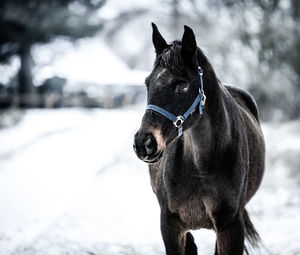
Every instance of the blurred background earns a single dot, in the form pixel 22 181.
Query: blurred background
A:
pixel 72 97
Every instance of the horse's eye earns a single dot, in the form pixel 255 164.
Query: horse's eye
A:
pixel 182 88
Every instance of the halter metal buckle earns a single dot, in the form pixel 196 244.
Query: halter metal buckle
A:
pixel 200 71
pixel 178 122
pixel 203 99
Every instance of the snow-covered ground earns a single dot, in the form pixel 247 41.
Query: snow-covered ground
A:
pixel 69 60
pixel 71 184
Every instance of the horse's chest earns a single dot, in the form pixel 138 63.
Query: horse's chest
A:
pixel 184 190
pixel 186 200
pixel 192 213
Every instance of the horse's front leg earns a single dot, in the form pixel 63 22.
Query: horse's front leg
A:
pixel 230 236
pixel 190 246
pixel 173 233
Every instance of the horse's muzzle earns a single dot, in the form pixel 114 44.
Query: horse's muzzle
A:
pixel 146 148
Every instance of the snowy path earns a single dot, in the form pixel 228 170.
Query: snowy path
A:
pixel 71 184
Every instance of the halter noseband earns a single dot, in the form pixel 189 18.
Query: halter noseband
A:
pixel 178 121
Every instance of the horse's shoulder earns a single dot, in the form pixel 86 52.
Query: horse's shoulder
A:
pixel 243 98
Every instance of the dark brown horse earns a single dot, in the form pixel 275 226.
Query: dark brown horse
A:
pixel 206 157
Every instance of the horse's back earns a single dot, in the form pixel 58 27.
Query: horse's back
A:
pixel 254 138
pixel 243 98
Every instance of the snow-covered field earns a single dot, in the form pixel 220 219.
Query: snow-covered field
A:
pixel 71 184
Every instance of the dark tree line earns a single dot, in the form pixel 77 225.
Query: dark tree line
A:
pixel 24 23
pixel 277 44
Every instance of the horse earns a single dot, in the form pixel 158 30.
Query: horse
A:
pixel 204 147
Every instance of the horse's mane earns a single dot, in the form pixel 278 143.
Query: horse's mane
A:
pixel 171 58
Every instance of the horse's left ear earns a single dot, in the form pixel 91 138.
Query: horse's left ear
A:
pixel 189 45
pixel 159 42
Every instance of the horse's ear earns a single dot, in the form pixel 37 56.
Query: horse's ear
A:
pixel 158 41
pixel 189 45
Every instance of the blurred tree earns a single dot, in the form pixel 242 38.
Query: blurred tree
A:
pixel 274 34
pixel 175 16
pixel 25 23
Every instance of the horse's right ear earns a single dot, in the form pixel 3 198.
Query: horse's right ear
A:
pixel 158 41
pixel 189 45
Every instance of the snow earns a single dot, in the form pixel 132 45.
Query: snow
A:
pixel 71 184
pixel 89 60
pixel 9 70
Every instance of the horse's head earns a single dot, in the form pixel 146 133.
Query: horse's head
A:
pixel 173 86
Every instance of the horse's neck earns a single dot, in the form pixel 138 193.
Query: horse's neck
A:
pixel 211 130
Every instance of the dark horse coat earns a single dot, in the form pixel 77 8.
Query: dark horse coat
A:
pixel 204 178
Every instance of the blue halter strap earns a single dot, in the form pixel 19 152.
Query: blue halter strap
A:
pixel 178 120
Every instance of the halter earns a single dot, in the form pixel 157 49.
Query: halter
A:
pixel 178 121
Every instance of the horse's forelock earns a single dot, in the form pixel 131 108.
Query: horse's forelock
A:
pixel 171 58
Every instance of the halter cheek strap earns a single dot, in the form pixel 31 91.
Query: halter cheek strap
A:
pixel 179 120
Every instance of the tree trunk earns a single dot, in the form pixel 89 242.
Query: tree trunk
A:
pixel 25 85
pixel 175 17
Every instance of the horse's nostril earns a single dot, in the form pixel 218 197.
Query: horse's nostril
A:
pixel 134 147
pixel 150 146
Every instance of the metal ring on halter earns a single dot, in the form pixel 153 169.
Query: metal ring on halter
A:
pixel 203 99
pixel 200 71
pixel 180 120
